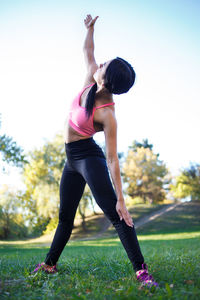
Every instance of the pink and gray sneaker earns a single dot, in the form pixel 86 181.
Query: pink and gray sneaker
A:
pixel 45 268
pixel 144 277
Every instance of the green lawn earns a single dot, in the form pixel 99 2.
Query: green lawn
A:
pixel 100 269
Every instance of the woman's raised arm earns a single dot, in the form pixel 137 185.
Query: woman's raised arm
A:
pixel 88 49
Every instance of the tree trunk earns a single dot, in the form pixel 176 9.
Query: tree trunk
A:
pixel 83 223
pixel 7 227
pixel 95 213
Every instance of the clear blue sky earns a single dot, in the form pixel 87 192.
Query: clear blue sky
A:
pixel 42 69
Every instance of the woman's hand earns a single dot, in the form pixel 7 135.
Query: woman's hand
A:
pixel 89 22
pixel 123 213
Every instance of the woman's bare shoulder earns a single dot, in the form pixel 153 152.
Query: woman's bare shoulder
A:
pixel 105 115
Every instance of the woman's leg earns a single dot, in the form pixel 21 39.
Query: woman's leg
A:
pixel 71 189
pixel 95 172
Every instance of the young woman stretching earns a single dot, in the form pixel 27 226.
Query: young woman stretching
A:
pixel 93 111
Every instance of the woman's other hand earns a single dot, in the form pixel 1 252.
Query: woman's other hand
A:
pixel 123 213
pixel 89 22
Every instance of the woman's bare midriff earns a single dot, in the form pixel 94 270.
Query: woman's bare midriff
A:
pixel 72 136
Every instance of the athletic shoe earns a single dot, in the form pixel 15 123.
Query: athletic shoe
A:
pixel 45 268
pixel 144 277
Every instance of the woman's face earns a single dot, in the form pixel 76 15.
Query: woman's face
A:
pixel 100 72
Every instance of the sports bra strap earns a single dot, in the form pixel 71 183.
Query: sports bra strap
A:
pixel 107 104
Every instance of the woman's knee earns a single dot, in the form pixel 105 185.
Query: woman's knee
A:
pixel 65 218
pixel 112 215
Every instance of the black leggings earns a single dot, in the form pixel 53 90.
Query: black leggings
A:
pixel 86 163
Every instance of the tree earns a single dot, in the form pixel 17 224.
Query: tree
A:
pixel 41 177
pixel 135 145
pixel 11 218
pixel 188 183
pixel 145 175
pixel 11 153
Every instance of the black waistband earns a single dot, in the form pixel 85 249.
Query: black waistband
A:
pixel 80 142
pixel 83 148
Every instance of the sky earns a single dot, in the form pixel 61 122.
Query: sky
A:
pixel 42 69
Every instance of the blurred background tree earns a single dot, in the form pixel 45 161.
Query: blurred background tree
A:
pixel 146 176
pixel 10 152
pixel 188 183
pixel 41 178
pixel 145 144
pixel 12 219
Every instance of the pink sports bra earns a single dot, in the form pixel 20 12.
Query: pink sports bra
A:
pixel 77 116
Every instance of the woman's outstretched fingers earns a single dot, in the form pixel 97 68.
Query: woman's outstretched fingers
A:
pixel 95 18
pixel 89 22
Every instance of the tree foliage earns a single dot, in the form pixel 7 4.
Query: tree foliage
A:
pixel 11 153
pixel 41 178
pixel 145 144
pixel 145 174
pixel 11 216
pixel 188 183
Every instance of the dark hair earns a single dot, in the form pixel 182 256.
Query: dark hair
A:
pixel 119 78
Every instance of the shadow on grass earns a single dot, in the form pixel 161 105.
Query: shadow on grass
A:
pixel 84 246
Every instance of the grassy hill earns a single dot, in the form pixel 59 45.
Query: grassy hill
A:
pixel 183 218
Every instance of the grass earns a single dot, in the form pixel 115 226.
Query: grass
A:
pixel 100 269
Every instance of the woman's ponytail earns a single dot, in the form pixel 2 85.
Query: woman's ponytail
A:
pixel 90 100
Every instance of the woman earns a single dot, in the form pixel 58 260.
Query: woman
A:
pixel 93 111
